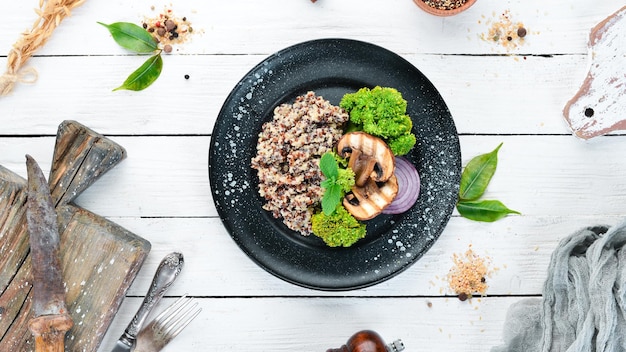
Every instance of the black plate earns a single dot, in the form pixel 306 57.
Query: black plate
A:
pixel 331 68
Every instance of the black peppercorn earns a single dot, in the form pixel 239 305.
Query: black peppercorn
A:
pixel 521 32
pixel 169 25
pixel 463 296
pixel 186 76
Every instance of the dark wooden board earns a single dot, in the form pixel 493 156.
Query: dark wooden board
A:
pixel 100 259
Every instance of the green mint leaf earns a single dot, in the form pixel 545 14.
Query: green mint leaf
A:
pixel 483 210
pixel 477 174
pixel 132 37
pixel 327 183
pixel 328 166
pixel 332 197
pixel 145 75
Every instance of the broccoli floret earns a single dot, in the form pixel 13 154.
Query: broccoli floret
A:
pixel 341 162
pixel 338 229
pixel 381 112
pixel 345 180
pixel 402 144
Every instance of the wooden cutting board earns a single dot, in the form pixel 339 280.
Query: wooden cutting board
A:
pixel 100 259
pixel 598 106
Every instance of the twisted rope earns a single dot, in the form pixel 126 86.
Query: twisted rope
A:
pixel 50 14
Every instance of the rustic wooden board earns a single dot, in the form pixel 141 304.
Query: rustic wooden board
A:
pixel 100 259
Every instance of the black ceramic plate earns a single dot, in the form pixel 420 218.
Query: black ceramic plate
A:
pixel 331 68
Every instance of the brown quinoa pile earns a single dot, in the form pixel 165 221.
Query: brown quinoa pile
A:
pixel 445 4
pixel 468 276
pixel 289 148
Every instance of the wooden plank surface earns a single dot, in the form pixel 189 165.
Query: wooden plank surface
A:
pixel 482 99
pixel 536 175
pixel 250 27
pixel 315 324
pixel 495 93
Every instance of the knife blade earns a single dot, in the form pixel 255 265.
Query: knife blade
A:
pixel 51 320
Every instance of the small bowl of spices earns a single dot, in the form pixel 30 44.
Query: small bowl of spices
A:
pixel 444 7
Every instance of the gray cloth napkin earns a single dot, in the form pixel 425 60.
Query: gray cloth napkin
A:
pixel 583 306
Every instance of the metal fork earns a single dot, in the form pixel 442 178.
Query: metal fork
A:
pixel 167 325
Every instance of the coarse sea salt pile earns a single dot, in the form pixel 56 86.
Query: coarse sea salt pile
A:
pixel 468 276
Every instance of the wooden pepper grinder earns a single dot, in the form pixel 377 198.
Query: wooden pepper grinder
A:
pixel 368 341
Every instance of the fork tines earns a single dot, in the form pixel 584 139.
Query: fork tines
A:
pixel 182 312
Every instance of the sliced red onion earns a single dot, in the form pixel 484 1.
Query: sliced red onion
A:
pixel 408 187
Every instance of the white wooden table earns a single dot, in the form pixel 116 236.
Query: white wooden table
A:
pixel 161 191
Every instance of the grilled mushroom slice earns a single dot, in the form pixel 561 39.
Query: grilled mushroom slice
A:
pixel 373 163
pixel 370 157
pixel 366 202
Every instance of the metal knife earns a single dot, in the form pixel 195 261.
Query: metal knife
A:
pixel 51 319
pixel 166 273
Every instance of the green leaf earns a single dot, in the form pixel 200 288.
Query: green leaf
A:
pixel 477 174
pixel 332 197
pixel 484 210
pixel 328 166
pixel 145 75
pixel 326 183
pixel 132 37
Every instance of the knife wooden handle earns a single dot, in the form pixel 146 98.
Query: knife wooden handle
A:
pixel 49 332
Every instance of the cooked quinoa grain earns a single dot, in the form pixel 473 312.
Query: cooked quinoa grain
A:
pixel 445 4
pixel 287 161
